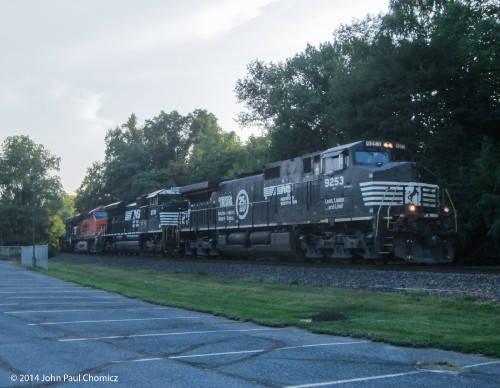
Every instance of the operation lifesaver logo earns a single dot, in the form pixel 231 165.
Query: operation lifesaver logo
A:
pixel 242 204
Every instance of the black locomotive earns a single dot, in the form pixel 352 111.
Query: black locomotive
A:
pixel 364 200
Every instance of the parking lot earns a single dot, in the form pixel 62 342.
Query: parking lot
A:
pixel 55 333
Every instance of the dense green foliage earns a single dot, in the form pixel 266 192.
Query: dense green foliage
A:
pixel 29 187
pixel 168 151
pixel 426 74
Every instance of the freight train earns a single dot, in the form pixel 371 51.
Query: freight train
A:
pixel 361 201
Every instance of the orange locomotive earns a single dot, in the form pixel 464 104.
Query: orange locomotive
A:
pixel 83 231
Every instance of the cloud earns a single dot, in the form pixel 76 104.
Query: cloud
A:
pixel 82 104
pixel 216 20
pixel 10 98
pixel 150 32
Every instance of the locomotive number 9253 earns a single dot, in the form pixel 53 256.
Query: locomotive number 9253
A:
pixel 334 181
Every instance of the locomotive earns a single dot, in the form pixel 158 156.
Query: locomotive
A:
pixel 365 200
pixel 120 227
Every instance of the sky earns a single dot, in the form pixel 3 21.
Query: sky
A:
pixel 72 69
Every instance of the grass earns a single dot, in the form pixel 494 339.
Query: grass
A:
pixel 411 319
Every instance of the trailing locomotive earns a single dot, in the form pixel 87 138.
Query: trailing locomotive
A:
pixel 361 200
pixel 83 231
pixel 364 200
pixel 145 225
pixel 142 226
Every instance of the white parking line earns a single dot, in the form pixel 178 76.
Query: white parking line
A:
pixel 82 310
pixel 41 291
pixel 59 303
pixel 111 320
pixel 240 352
pixel 482 364
pixel 359 379
pixel 326 344
pixel 164 334
pixel 56 297
pixel 368 378
pixel 191 356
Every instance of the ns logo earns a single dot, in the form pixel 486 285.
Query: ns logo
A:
pixel 242 204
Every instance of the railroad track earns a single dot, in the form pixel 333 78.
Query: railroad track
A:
pixel 398 267
pixel 473 283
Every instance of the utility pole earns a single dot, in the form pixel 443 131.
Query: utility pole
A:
pixel 32 177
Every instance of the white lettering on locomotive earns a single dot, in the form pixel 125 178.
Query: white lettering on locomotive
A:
pixel 225 201
pixel 288 200
pixel 334 203
pixel 278 190
pixel 133 215
pixel 334 181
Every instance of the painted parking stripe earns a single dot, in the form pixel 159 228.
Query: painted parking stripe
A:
pixel 56 297
pixel 82 310
pixel 59 303
pixel 362 379
pixel 40 291
pixel 481 364
pixel 359 379
pixel 190 356
pixel 111 320
pixel 163 334
pixel 325 344
pixel 240 352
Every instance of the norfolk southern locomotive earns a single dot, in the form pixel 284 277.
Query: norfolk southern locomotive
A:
pixel 364 200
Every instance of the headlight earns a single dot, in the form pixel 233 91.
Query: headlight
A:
pixel 446 209
pixel 412 208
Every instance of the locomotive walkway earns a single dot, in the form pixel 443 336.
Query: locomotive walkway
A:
pixel 55 333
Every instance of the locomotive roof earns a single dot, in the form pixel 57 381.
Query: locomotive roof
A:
pixel 327 151
pixel 342 147
pixel 114 205
pixel 172 190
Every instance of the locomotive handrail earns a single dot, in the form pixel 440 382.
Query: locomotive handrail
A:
pixel 392 201
pixel 378 212
pixel 388 208
pixel 453 207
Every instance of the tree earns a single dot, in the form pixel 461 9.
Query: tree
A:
pixel 57 220
pixel 28 183
pixel 92 192
pixel 291 100
pixel 425 74
pixel 126 157
pixel 252 156
pixel 479 186
pixel 213 151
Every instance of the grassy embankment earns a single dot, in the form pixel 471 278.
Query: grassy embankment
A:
pixel 411 319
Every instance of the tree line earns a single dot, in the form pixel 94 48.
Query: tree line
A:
pixel 425 74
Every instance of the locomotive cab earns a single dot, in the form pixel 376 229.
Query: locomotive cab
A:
pixel 90 228
pixel 379 205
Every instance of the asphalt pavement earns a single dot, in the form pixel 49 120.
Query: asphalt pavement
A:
pixel 55 333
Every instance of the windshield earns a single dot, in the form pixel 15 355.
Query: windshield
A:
pixel 366 157
pixel 99 215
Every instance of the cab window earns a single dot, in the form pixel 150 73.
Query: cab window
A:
pixel 367 157
pixel 99 215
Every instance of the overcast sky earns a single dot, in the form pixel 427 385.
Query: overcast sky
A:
pixel 71 69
